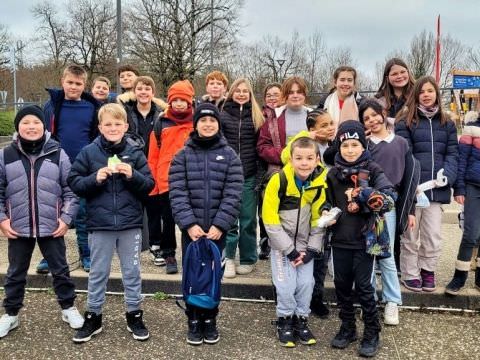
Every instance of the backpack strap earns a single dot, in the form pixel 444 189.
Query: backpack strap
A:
pixel 157 130
pixel 282 190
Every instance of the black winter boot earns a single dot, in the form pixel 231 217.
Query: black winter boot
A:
pixel 195 327
pixel 264 249
pixel 91 326
pixel 319 308
pixel 285 331
pixel 346 335
pixel 210 331
pixel 457 282
pixel 477 276
pixel 136 326
pixel 370 343
pixel 302 331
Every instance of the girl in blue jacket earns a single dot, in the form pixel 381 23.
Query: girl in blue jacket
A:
pixel 433 140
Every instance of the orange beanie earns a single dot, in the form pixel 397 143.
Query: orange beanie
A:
pixel 181 90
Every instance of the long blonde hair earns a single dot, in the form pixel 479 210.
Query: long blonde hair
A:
pixel 257 115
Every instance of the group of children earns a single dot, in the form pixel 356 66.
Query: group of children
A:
pixel 346 192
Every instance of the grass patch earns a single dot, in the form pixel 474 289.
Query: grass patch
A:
pixel 160 296
pixel 6 123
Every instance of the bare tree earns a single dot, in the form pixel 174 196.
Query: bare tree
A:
pixel 92 34
pixel 316 48
pixel 4 45
pixel 172 37
pixel 51 34
pixel 452 57
pixel 339 56
pixel 422 54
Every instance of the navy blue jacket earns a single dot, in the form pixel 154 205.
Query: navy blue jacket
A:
pixel 206 185
pixel 115 204
pixel 469 158
pixel 436 147
pixel 239 130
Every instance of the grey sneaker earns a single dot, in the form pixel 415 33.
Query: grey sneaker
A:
pixel 172 267
pixel 7 323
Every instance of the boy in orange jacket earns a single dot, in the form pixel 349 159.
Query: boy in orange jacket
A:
pixel 169 134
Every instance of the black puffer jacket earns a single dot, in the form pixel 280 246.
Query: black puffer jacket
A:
pixel 436 147
pixel 115 204
pixel 205 185
pixel 239 130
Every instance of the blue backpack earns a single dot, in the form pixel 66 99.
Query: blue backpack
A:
pixel 202 274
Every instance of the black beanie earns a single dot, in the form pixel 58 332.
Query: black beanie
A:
pixel 206 109
pixel 351 129
pixel 29 110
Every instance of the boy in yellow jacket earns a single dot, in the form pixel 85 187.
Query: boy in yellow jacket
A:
pixel 291 208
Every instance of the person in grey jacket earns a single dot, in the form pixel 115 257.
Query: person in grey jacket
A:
pixel 36 206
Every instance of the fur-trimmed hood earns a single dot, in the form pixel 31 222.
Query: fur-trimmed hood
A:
pixel 129 97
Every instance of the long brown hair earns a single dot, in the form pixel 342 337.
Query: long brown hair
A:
pixel 410 113
pixel 386 89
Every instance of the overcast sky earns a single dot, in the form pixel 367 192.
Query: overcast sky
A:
pixel 371 28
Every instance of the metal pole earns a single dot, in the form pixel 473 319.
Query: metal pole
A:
pixel 119 40
pixel 211 35
pixel 14 80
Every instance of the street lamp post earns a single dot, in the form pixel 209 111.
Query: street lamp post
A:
pixel 280 63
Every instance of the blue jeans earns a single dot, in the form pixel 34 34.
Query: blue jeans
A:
pixel 81 229
pixel 390 284
pixel 294 285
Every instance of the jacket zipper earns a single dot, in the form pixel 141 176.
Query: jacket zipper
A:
pixel 32 186
pixel 207 180
pixel 240 131
pixel 433 155
pixel 298 218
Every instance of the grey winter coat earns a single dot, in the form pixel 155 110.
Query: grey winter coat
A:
pixel 33 189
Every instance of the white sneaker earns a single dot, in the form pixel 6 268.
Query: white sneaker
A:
pixel 391 314
pixel 7 323
pixel 72 317
pixel 229 269
pixel 245 269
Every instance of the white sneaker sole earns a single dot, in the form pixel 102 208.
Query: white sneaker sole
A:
pixel 64 318
pixel 196 343
pixel 211 341
pixel 88 338
pixel 14 325
pixel 158 263
pixel 136 337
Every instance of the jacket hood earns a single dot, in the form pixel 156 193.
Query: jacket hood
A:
pixel 49 145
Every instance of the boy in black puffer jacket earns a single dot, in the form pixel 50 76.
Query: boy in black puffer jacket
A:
pixel 357 186
pixel 112 174
pixel 205 182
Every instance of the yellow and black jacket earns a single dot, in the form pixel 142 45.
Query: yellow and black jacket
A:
pixel 290 214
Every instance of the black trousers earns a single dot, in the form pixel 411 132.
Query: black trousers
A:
pixel 355 267
pixel 320 267
pixel 19 255
pixel 161 226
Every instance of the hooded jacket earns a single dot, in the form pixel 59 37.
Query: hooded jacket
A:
pixel 34 192
pixel 291 220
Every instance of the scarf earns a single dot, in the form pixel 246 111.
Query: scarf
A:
pixel 32 147
pixel 349 110
pixel 205 142
pixel 112 148
pixel 429 112
pixel 180 117
pixel 341 164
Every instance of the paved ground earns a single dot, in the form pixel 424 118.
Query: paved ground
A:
pixel 245 330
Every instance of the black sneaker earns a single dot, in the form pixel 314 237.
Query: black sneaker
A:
pixel 171 265
pixel 319 309
pixel 156 256
pixel 195 332
pixel 477 277
pixel 302 331
pixel 346 335
pixel 369 345
pixel 91 326
pixel 210 331
pixel 285 331
pixel 457 282
pixel 264 249
pixel 136 326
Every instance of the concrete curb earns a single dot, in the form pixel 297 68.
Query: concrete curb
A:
pixel 255 288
